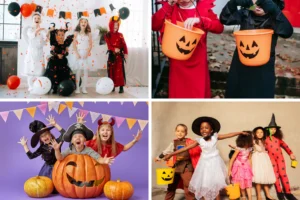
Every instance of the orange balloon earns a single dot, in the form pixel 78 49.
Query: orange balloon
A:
pixel 13 82
pixel 33 7
pixel 26 10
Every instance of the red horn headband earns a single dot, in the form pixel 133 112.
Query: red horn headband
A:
pixel 100 122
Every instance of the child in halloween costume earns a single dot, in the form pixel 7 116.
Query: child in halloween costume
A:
pixel 117 50
pixel 240 164
pixel 82 47
pixel 43 135
pixel 273 145
pixel 58 68
pixel 210 163
pixel 185 162
pixel 255 82
pixel 36 38
pixel 77 134
pixel 193 71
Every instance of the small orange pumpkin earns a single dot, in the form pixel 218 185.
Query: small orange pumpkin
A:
pixel 117 190
pixel 38 186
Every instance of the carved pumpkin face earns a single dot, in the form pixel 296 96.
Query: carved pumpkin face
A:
pixel 80 176
pixel 186 47
pixel 165 176
pixel 249 51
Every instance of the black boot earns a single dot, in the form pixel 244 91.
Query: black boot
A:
pixel 280 196
pixel 290 196
pixel 121 89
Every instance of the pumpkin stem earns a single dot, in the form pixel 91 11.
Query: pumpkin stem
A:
pixel 118 180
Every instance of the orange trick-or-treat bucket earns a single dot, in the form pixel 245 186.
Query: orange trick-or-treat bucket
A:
pixel 180 43
pixel 254 46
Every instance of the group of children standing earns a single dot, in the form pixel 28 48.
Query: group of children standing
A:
pixel 57 68
pixel 243 81
pixel 257 159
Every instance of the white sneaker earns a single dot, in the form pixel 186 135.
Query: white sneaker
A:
pixel 84 90
pixel 77 91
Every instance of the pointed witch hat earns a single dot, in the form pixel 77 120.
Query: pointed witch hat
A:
pixel 272 124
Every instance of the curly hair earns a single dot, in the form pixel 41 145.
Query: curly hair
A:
pixel 278 134
pixel 245 141
pixel 87 29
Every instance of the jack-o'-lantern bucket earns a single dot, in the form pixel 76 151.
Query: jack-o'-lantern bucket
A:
pixel 294 163
pixel 233 191
pixel 165 176
pixel 180 43
pixel 254 46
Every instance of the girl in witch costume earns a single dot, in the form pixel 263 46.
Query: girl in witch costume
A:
pixel 117 54
pixel 82 47
pixel 36 38
pixel 193 71
pixel 58 68
pixel 185 162
pixel 273 145
pixel 255 82
pixel 43 136
pixel 210 163
pixel 77 134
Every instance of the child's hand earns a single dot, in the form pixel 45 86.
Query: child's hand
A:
pixel 23 141
pixel 117 50
pixel 80 118
pixel 55 145
pixel 293 157
pixel 51 120
pixel 244 133
pixel 138 136
pixel 106 160
pixel 167 157
pixel 126 56
pixel 229 173
pixel 156 160
pixel 190 22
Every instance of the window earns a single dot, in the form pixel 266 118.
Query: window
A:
pixel 10 26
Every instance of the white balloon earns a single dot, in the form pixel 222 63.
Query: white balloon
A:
pixel 104 85
pixel 41 86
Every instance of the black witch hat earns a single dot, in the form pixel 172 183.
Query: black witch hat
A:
pixel 38 128
pixel 272 123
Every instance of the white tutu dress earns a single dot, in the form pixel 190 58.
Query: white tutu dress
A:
pixel 82 48
pixel 210 173
pixel 263 172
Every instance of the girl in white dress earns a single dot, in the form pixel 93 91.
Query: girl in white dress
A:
pixel 261 164
pixel 210 173
pixel 36 37
pixel 82 47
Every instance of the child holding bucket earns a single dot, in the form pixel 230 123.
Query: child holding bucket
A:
pixel 254 82
pixel 210 173
pixel 189 78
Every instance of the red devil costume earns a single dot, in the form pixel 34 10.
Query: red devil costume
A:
pixel 106 149
pixel 115 63
pixel 189 78
pixel 273 144
pixel 185 164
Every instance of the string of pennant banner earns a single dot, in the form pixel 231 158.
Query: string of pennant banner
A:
pixel 61 107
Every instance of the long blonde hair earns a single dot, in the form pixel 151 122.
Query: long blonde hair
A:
pixel 111 139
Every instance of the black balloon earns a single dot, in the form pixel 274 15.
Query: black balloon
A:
pixel 124 13
pixel 66 88
pixel 14 8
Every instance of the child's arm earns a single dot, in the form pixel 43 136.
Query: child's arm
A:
pixel 287 149
pixel 52 122
pixel 98 158
pixel 167 151
pixel 75 45
pixel 231 161
pixel 56 146
pixel 109 45
pixel 23 142
pixel 181 150
pixel 229 135
pixel 159 17
pixel 90 44
pixel 124 46
pixel 230 15
pixel 250 159
pixel 137 137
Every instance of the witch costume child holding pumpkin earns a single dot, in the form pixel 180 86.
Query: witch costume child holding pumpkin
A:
pixel 189 78
pixel 254 82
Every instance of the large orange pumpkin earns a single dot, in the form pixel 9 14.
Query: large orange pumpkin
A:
pixel 80 176
pixel 38 186
pixel 117 190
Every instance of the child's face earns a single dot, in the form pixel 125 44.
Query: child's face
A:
pixel 60 36
pixel 37 19
pixel 259 11
pixel 105 133
pixel 205 129
pixel 45 137
pixel 116 26
pixel 273 131
pixel 83 24
pixel 259 133
pixel 78 140
pixel 180 132
pixel 185 3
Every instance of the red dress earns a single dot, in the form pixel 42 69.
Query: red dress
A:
pixel 106 149
pixel 115 68
pixel 190 78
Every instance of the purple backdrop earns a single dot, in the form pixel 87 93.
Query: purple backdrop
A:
pixel 16 168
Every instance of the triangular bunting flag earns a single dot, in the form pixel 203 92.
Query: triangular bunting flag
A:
pixel 50 105
pixel 106 118
pixel 119 121
pixel 134 103
pixel 72 111
pixel 85 112
pixel 121 102
pixel 31 111
pixel 81 103
pixel 69 104
pixel 130 122
pixel 94 116
pixel 18 113
pixel 108 102
pixel 56 106
pixel 61 108
pixel 43 108
pixel 4 115
pixel 142 124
